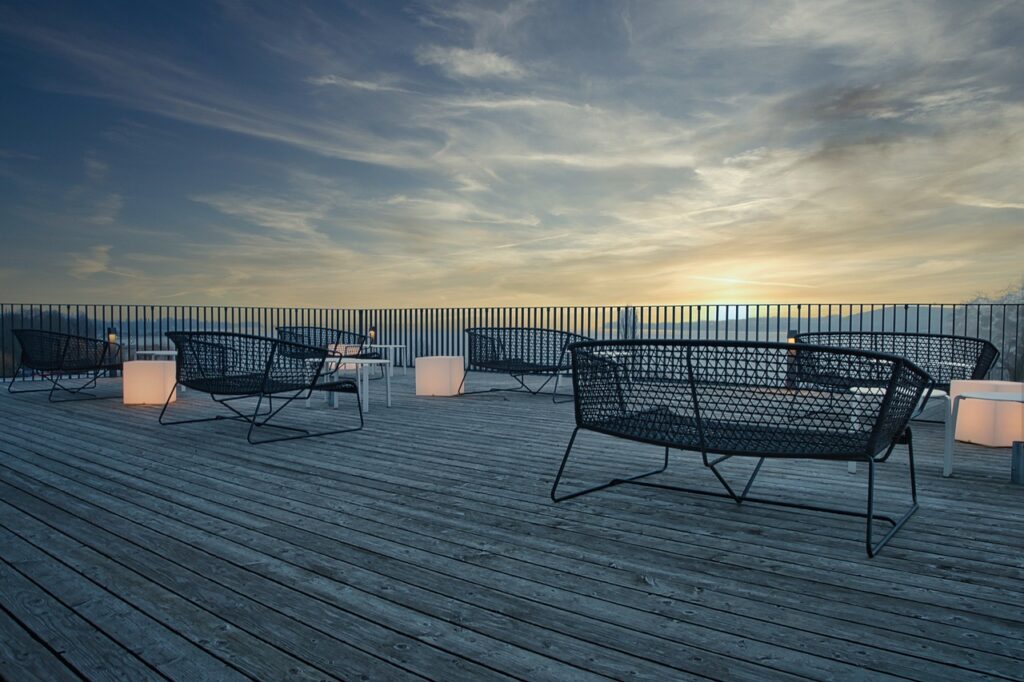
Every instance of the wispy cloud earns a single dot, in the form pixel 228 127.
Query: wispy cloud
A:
pixel 760 283
pixel 94 261
pixel 339 81
pixel 106 210
pixel 458 62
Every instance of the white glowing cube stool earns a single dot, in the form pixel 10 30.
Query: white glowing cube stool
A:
pixel 148 382
pixel 439 375
pixel 995 424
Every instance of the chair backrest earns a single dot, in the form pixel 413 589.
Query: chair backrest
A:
pixel 492 348
pixel 945 357
pixel 49 351
pixel 325 337
pixel 321 337
pixel 242 364
pixel 742 398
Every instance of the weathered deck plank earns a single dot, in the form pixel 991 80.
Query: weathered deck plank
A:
pixel 425 545
pixel 24 657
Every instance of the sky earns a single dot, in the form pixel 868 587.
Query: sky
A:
pixel 590 152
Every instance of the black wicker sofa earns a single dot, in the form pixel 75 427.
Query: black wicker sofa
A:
pixel 272 373
pixel 58 358
pixel 945 357
pixel 520 352
pixel 754 400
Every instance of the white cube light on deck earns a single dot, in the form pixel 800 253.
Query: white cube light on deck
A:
pixel 148 382
pixel 439 375
pixel 995 424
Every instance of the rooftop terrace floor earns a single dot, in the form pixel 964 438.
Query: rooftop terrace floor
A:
pixel 426 546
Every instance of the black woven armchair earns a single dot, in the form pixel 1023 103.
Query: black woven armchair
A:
pixel 747 399
pixel 943 356
pixel 58 357
pixel 340 343
pixel 519 352
pixel 231 367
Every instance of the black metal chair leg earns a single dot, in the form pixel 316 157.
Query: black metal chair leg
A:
pixel 555 394
pixel 739 499
pixel 615 481
pixel 14 377
pixel 76 391
pixel 254 425
pixel 874 547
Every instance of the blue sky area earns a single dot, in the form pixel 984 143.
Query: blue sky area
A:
pixel 510 153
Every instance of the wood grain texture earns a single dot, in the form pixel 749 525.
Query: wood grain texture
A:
pixel 425 546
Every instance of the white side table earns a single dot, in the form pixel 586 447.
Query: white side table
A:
pixel 362 367
pixel 391 352
pixel 996 397
pixel 156 354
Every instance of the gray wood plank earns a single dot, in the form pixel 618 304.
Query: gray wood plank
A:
pixel 160 648
pixel 83 648
pixel 270 650
pixel 23 657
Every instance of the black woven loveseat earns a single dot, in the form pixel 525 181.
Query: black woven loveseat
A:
pixel 231 367
pixel 945 357
pixel 747 399
pixel 58 357
pixel 520 352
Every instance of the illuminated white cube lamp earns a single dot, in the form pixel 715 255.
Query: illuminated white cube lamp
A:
pixel 148 382
pixel 439 375
pixel 984 422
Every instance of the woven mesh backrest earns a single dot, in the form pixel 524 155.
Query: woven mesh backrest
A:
pixel 336 341
pixel 741 397
pixel 943 356
pixel 320 337
pixel 52 351
pixel 497 347
pixel 241 364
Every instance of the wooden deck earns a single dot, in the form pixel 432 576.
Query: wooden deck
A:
pixel 426 546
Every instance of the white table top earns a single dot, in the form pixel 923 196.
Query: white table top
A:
pixel 346 360
pixel 385 345
pixel 1000 396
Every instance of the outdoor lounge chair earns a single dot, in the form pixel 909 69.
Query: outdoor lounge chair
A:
pixel 231 367
pixel 943 356
pixel 338 342
pixel 518 352
pixel 726 399
pixel 57 357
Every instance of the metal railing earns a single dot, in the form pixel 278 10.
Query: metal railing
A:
pixel 439 331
